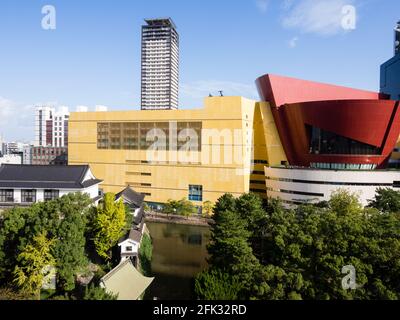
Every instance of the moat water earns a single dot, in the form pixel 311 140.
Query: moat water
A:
pixel 179 254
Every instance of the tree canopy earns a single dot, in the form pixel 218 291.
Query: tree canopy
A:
pixel 29 273
pixel 181 207
pixel 300 253
pixel 109 225
pixel 63 220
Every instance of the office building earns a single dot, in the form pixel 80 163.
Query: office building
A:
pixel 390 70
pixel 27 154
pixel 116 145
pixel 51 127
pixel 160 65
pixel 43 126
pixel 49 155
pixel 51 136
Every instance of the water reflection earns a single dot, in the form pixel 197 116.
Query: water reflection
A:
pixel 179 254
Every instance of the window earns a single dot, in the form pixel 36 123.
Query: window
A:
pixel 195 193
pixel 129 249
pixel 7 195
pixel 28 196
pixel 136 135
pixel 325 142
pixel 51 195
pixel 260 162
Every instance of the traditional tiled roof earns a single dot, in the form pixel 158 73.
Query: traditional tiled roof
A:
pixel 46 177
pixel 131 197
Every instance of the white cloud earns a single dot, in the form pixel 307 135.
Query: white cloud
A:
pixel 287 4
pixel 323 17
pixel 6 107
pixel 262 5
pixel 16 120
pixel 196 91
pixel 293 42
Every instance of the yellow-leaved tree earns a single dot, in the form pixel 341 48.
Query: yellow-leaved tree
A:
pixel 29 273
pixel 109 225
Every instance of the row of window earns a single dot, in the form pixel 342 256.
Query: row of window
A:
pixel 142 135
pixel 258 173
pixel 334 183
pixel 297 192
pixel 260 162
pixel 257 190
pixel 343 166
pixel 27 196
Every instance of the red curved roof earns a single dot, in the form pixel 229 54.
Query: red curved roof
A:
pixel 363 116
pixel 280 90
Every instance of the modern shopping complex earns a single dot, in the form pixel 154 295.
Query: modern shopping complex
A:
pixel 302 141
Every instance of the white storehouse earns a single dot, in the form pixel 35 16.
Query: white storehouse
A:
pixel 296 186
pixel 25 185
pixel 130 243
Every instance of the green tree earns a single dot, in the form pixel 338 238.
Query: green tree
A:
pixel 109 225
pixel 225 203
pixel 70 251
pixel 93 292
pixel 145 255
pixel 386 200
pixel 217 285
pixel 250 208
pixel 32 261
pixel 304 250
pixel 11 233
pixel 8 293
pixel 207 208
pixel 181 207
pixel 229 248
pixel 344 202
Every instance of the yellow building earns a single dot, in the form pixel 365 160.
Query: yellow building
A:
pixel 198 154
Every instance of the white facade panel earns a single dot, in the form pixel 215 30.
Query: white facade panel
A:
pixel 309 185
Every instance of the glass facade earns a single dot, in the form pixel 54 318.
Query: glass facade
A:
pixel 142 135
pixel 343 166
pixel 195 193
pixel 325 142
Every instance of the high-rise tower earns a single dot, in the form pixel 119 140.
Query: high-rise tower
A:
pixel 160 65
pixel 397 39
pixel 390 70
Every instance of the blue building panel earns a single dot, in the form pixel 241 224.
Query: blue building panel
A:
pixel 390 77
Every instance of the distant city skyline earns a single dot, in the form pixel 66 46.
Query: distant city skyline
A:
pixel 93 56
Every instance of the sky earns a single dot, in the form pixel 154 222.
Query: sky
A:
pixel 92 57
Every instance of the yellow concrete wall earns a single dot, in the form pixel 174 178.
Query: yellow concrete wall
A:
pixel 118 168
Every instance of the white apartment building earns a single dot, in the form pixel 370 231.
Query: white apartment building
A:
pixel 43 126
pixel 51 127
pixel 27 155
pixel 60 128
pixel 160 65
